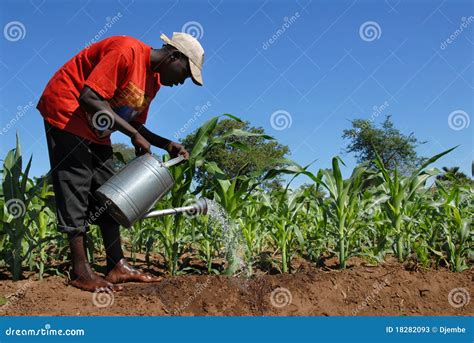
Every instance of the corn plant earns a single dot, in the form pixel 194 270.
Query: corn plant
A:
pixel 458 211
pixel 371 213
pixel 283 228
pixel 41 234
pixel 282 220
pixel 252 222
pixel 401 191
pixel 343 206
pixel 207 240
pixel 18 193
pixel 173 233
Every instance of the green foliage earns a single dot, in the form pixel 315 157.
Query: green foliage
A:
pixel 345 206
pixel 453 176
pixel 24 214
pixel 396 150
pixel 375 212
pixel 404 199
pixel 244 151
pixel 122 154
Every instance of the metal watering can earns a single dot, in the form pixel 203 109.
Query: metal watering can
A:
pixel 134 190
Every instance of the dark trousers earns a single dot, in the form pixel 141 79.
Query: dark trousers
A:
pixel 78 168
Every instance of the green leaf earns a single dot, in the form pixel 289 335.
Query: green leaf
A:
pixel 233 117
pixel 434 159
pixel 202 136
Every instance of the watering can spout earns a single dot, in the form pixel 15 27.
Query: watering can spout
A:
pixel 201 206
pixel 173 161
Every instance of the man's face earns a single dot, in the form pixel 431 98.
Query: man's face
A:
pixel 176 69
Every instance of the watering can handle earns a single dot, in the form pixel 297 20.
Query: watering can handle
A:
pixel 174 161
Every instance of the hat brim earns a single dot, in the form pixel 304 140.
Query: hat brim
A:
pixel 196 74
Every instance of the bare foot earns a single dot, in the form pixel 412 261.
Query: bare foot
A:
pixel 90 281
pixel 123 272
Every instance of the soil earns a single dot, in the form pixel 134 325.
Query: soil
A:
pixel 361 289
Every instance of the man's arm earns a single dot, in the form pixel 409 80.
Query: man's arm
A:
pixel 173 148
pixel 154 139
pixel 92 103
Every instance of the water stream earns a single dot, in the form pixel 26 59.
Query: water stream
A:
pixel 231 237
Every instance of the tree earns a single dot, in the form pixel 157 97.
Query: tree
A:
pixel 233 161
pixel 396 150
pixel 453 175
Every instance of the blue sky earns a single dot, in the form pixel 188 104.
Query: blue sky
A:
pixel 320 70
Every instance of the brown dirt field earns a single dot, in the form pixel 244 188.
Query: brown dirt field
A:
pixel 388 289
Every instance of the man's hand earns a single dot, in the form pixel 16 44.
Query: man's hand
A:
pixel 142 146
pixel 175 149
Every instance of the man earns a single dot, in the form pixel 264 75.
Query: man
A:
pixel 106 87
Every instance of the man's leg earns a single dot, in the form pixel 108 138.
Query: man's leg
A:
pixel 113 246
pixel 71 171
pixel 118 270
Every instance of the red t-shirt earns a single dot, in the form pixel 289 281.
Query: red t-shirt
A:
pixel 118 69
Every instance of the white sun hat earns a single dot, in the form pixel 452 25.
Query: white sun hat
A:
pixel 192 49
